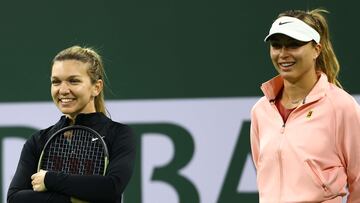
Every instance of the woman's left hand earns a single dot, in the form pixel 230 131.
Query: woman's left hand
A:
pixel 38 181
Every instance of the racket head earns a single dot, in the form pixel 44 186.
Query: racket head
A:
pixel 77 150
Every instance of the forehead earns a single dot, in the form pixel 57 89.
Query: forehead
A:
pixel 69 67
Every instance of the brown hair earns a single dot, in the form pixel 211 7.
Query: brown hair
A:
pixel 95 69
pixel 327 61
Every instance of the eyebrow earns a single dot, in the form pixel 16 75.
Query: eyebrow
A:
pixel 69 77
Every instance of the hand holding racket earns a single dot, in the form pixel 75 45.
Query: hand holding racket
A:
pixel 37 181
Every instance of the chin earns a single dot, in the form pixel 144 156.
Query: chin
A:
pixel 289 78
pixel 67 111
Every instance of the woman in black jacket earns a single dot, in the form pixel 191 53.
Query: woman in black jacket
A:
pixel 77 79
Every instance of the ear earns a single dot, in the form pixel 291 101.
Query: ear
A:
pixel 318 49
pixel 97 88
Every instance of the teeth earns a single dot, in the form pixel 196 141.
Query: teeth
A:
pixel 65 100
pixel 286 64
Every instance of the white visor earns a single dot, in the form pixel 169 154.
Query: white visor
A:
pixel 293 28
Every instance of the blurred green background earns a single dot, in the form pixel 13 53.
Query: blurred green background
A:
pixel 158 48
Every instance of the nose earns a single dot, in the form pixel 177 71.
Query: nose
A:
pixel 64 88
pixel 283 52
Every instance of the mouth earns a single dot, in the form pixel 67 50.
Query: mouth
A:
pixel 286 65
pixel 65 101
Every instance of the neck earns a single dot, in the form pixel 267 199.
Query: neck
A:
pixel 295 92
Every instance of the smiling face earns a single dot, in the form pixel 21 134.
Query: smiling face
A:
pixel 293 59
pixel 71 88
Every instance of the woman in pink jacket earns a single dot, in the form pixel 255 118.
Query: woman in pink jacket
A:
pixel 305 131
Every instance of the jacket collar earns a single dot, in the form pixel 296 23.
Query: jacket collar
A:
pixel 89 120
pixel 272 87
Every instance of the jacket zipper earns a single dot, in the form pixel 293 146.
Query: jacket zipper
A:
pixel 279 156
pixel 281 172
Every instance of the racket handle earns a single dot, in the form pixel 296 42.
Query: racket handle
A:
pixel 75 200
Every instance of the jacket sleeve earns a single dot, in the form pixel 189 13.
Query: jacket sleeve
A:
pixel 108 188
pixel 349 139
pixel 254 139
pixel 20 189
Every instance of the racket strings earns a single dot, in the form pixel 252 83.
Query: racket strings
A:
pixel 75 152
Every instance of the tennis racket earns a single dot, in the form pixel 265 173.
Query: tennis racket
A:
pixel 76 150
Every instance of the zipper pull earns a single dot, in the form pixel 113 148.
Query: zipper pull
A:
pixel 282 128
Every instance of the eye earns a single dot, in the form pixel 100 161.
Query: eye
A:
pixel 275 45
pixel 74 81
pixel 55 82
pixel 296 44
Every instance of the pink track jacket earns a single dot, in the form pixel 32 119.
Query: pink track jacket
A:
pixel 315 154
